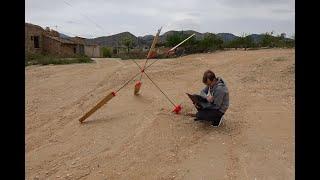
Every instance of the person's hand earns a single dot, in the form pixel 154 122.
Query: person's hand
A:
pixel 210 99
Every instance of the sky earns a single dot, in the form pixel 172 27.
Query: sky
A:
pixel 95 18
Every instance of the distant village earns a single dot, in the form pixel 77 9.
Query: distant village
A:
pixel 48 41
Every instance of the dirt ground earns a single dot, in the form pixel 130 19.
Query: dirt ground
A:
pixel 137 137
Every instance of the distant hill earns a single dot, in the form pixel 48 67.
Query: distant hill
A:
pixel 64 36
pixel 113 40
pixel 256 37
pixel 146 41
pixel 164 36
pixel 226 37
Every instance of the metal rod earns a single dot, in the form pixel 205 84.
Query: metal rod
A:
pixel 137 64
pixel 128 81
pixel 159 89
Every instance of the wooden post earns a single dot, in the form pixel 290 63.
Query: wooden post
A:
pixel 96 107
pixel 154 42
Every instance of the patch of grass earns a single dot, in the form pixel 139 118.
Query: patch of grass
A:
pixel 279 59
pixel 33 59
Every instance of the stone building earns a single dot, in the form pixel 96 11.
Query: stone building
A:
pixel 59 47
pixel 92 51
pixel 46 41
pixel 33 38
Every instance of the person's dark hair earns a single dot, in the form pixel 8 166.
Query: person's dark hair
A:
pixel 208 75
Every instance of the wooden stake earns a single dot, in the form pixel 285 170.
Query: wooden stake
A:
pixel 96 107
pixel 154 42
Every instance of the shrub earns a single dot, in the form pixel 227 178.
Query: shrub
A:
pixel 106 52
pixel 33 59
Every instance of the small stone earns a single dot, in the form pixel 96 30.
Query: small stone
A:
pixel 47 172
pixel 73 163
pixel 57 176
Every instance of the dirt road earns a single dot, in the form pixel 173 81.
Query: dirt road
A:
pixel 137 137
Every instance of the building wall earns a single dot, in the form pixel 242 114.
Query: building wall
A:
pixel 51 32
pixel 80 49
pixel 68 50
pixel 30 31
pixel 54 47
pixel 92 51
pixel 51 46
pixel 78 40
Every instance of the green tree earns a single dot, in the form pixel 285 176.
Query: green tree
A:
pixel 247 41
pixel 211 42
pixel 267 39
pixel 106 52
pixel 128 42
pixel 174 39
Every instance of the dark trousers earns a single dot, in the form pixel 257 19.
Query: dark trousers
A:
pixel 211 115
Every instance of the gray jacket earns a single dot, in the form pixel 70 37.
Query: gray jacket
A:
pixel 220 95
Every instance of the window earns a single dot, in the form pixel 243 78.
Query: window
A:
pixel 74 50
pixel 31 38
pixel 36 41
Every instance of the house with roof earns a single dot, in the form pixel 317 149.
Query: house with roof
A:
pixel 48 41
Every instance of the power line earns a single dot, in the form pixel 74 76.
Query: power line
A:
pixel 97 25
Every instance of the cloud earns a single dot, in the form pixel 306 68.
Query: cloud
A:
pixel 142 17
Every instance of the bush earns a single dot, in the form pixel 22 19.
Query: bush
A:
pixel 210 42
pixel 106 52
pixel 33 59
pixel 131 55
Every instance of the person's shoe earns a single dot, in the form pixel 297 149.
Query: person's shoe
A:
pixel 220 122
pixel 214 125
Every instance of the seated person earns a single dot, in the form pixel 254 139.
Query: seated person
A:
pixel 217 95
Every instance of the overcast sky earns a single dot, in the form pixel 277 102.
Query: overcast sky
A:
pixel 94 18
